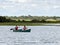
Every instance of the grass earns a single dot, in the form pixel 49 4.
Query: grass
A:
pixel 21 24
pixel 27 24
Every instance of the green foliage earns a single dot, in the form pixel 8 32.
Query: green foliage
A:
pixel 3 19
pixel 43 20
pixel 29 18
pixel 18 20
pixel 35 20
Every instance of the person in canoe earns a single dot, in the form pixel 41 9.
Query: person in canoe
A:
pixel 16 28
pixel 24 28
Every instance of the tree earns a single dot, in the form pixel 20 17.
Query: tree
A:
pixel 43 20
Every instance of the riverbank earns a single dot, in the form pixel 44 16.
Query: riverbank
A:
pixel 29 24
pixel 20 24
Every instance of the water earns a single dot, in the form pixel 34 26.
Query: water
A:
pixel 39 35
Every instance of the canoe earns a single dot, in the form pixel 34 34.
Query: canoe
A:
pixel 20 30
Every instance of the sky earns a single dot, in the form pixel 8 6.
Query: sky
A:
pixel 30 7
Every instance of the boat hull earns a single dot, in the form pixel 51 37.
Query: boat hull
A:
pixel 20 30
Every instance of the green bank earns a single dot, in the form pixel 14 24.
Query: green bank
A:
pixel 21 24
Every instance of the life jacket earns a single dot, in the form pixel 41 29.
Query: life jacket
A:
pixel 16 28
pixel 24 28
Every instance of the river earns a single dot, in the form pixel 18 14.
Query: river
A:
pixel 39 35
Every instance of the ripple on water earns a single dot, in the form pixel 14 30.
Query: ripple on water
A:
pixel 39 35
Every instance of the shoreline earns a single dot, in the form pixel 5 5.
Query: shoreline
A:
pixel 29 24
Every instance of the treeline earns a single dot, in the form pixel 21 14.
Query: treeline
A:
pixel 38 21
pixel 33 19
pixel 4 19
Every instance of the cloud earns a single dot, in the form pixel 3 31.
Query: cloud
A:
pixel 4 6
pixel 34 5
pixel 20 0
pixel 29 6
pixel 56 6
pixel 43 5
